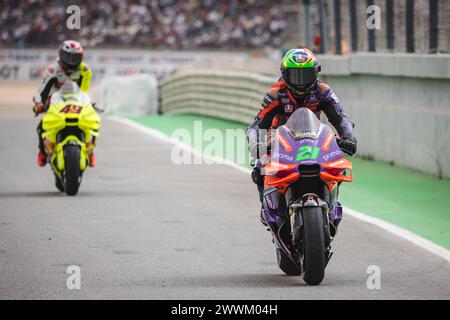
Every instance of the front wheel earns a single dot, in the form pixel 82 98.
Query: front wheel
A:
pixel 313 245
pixel 72 173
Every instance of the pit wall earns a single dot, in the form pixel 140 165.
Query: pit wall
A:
pixel 400 103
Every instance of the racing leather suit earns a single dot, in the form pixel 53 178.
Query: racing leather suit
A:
pixel 277 106
pixel 53 79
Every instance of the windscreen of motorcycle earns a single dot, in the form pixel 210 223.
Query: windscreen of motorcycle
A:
pixel 304 123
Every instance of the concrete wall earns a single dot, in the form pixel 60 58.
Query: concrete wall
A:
pixel 400 103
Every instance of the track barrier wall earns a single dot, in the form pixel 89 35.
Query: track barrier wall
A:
pixel 400 103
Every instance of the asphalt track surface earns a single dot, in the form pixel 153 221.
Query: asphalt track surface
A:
pixel 143 228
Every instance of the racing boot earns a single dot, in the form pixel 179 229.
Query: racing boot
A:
pixel 92 160
pixel 41 158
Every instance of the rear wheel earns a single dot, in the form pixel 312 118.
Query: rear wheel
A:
pixel 72 172
pixel 286 264
pixel 313 245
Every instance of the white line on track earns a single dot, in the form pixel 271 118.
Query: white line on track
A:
pixel 400 232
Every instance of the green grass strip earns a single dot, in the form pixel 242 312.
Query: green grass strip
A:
pixel 407 198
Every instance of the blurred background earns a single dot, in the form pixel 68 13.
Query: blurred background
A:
pixel 327 26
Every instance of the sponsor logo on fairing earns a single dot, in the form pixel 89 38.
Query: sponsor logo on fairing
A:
pixel 327 143
pixel 301 135
pixel 283 156
pixel 283 141
pixel 332 155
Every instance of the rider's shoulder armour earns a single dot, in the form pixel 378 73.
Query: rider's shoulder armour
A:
pixel 52 71
pixel 274 90
pixel 85 67
pixel 323 88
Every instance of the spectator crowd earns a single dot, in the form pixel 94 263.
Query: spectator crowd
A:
pixel 158 24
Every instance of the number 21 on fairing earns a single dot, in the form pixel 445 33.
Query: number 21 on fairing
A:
pixel 307 153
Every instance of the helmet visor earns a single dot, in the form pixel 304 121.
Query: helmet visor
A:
pixel 71 59
pixel 301 77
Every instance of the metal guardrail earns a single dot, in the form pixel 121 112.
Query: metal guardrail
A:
pixel 227 95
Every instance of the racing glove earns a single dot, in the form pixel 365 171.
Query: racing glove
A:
pixel 348 145
pixel 38 108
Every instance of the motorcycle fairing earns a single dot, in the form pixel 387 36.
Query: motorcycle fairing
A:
pixel 70 119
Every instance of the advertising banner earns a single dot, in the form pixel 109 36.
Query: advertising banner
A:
pixel 26 65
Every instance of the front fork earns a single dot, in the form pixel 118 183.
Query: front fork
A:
pixel 276 223
pixel 296 219
pixel 58 157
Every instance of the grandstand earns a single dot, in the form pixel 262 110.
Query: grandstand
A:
pixel 166 24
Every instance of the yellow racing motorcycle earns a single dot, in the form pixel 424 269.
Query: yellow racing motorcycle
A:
pixel 71 126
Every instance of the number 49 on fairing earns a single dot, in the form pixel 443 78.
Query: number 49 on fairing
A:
pixel 71 109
